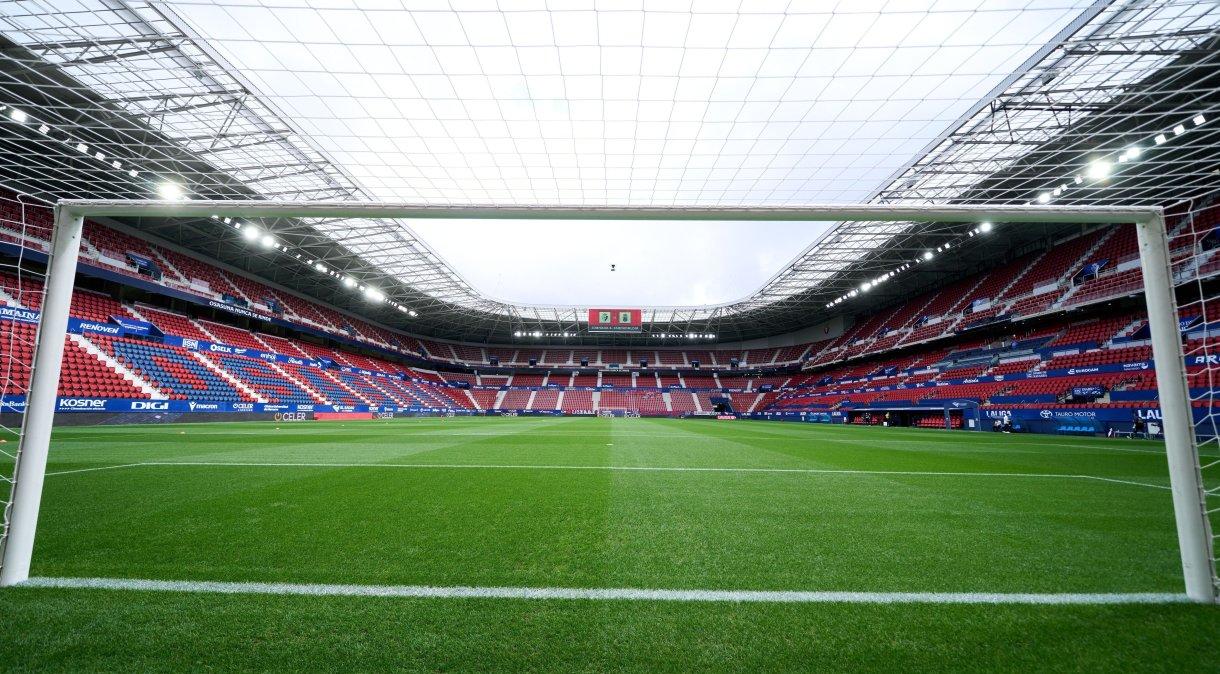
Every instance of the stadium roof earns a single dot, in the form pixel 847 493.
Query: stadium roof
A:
pixel 711 104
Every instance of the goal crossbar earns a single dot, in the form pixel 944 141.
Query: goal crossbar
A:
pixel 1194 534
pixel 811 212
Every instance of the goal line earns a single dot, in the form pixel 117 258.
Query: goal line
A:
pixel 604 594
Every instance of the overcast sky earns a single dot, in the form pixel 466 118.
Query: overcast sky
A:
pixel 652 102
pixel 657 263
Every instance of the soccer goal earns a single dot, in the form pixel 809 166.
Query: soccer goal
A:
pixel 1163 265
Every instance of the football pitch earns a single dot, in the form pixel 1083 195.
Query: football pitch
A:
pixel 594 544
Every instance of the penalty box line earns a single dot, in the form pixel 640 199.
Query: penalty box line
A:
pixel 658 469
pixel 604 594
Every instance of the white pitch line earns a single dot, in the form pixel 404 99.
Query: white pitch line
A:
pixel 88 470
pixel 603 594
pixel 1139 484
pixel 659 469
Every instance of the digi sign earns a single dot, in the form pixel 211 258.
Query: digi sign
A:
pixel 616 320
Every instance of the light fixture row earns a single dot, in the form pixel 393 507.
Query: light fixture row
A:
pixel 166 189
pixel 172 190
pixel 1099 169
pixel 253 234
pixel 926 256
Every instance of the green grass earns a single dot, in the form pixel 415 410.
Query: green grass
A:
pixel 1004 521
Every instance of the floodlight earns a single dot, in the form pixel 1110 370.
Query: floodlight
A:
pixel 18 115
pixel 268 241
pixel 1099 169
pixel 1199 120
pixel 251 233
pixel 170 190
pixel 985 227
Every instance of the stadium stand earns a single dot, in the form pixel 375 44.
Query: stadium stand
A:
pixel 140 368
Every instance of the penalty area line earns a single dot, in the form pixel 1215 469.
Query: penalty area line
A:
pixel 605 594
pixel 90 470
pixel 657 469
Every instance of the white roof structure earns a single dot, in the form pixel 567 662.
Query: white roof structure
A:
pixel 662 104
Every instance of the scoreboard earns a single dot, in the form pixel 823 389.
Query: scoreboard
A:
pixel 616 320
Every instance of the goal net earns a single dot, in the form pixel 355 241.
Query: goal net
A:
pixel 1194 245
pixel 1182 259
pixel 25 240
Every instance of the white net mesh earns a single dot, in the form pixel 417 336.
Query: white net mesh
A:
pixel 25 232
pixel 1195 246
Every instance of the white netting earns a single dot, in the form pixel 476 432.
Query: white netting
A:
pixel 25 232
pixel 1195 246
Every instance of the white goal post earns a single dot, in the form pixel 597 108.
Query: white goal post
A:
pixel 1193 529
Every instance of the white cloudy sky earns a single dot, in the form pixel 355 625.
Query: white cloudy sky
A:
pixel 641 102
pixel 656 263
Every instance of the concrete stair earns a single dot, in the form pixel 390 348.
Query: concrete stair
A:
pixel 356 394
pixel 113 363
pixel 228 376
pixel 318 397
pixel 166 265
